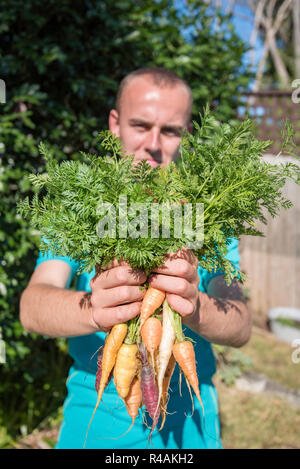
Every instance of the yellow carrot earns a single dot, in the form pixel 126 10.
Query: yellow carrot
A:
pixel 112 345
pixel 133 402
pixel 156 365
pixel 126 368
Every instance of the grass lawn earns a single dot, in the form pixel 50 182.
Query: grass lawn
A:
pixel 257 421
pixel 273 358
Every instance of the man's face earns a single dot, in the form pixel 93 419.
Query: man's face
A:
pixel 151 120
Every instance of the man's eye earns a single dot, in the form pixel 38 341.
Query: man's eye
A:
pixel 172 132
pixel 140 126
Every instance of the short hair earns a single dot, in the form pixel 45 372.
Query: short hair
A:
pixel 161 77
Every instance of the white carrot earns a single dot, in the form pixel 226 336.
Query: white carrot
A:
pixel 165 347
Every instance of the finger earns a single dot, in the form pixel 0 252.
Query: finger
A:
pixel 116 263
pixel 184 254
pixel 99 268
pixel 183 306
pixel 107 317
pixel 125 312
pixel 117 296
pixel 177 285
pixel 117 276
pixel 178 268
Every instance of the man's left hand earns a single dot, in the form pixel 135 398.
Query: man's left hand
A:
pixel 179 278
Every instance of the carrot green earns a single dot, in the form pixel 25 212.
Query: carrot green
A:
pixel 219 166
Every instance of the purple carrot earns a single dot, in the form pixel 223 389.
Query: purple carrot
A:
pixel 149 388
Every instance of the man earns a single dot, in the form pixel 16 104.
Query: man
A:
pixel 152 110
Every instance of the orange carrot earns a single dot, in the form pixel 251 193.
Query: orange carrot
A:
pixel 165 387
pixel 185 356
pixel 151 334
pixel 152 300
pixel 111 348
pixel 133 400
pixel 126 368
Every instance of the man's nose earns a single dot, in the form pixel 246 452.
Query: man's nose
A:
pixel 153 140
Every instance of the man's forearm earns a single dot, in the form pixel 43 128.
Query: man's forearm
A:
pixel 56 312
pixel 224 321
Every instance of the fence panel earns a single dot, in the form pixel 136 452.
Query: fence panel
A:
pixel 272 263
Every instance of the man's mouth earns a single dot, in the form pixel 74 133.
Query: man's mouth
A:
pixel 152 163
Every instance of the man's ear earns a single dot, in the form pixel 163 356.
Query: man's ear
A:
pixel 113 122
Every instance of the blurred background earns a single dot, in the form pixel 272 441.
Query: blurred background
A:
pixel 60 66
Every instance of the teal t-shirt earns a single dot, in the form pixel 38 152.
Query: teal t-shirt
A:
pixel 111 419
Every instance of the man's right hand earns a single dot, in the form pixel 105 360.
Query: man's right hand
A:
pixel 116 295
pixel 48 307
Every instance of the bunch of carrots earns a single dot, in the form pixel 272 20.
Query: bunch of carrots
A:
pixel 141 356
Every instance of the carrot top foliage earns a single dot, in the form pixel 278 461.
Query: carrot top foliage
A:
pixel 220 167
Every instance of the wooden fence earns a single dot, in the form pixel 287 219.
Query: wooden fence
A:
pixel 272 263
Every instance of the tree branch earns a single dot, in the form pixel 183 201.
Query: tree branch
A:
pixel 257 20
pixel 296 31
pixel 270 42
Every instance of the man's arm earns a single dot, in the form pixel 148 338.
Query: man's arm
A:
pixel 222 316
pixel 48 308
